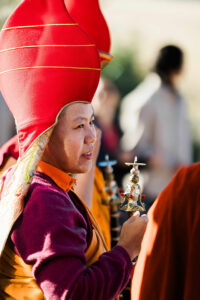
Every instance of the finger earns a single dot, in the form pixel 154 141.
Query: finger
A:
pixel 133 217
pixel 136 214
pixel 145 218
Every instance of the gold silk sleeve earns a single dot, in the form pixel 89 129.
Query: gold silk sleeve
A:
pixel 16 279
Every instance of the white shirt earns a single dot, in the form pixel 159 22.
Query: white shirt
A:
pixel 154 122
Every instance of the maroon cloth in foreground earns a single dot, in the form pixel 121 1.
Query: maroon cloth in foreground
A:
pixel 53 234
pixel 168 267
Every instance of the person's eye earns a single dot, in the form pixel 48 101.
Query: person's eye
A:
pixel 80 126
pixel 92 122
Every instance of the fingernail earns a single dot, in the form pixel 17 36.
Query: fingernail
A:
pixel 136 213
pixel 145 218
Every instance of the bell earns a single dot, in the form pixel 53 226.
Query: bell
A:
pixel 131 199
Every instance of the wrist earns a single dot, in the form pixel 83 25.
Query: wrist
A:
pixel 131 252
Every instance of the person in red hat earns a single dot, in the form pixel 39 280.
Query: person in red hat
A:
pixel 50 244
pixel 78 10
pixel 92 181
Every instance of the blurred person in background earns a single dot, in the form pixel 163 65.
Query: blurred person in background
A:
pixel 154 122
pixel 105 104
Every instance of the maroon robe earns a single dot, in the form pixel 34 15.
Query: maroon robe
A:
pixel 168 267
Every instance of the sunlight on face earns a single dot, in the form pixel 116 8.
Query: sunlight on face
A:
pixel 72 142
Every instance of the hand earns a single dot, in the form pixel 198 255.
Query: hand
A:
pixel 132 234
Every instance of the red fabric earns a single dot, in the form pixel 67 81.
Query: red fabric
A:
pixel 168 267
pixel 10 148
pixel 35 96
pixel 89 16
pixel 111 138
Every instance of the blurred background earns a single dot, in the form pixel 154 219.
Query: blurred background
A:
pixel 139 29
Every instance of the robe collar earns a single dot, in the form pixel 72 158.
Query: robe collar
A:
pixel 61 178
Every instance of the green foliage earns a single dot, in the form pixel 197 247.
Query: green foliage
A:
pixel 6 7
pixel 123 70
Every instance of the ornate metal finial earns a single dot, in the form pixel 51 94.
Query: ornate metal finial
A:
pixel 111 197
pixel 131 200
pixel 111 187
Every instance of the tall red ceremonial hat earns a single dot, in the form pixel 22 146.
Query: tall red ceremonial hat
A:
pixel 46 62
pixel 89 16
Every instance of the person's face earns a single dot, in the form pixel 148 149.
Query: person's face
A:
pixel 176 78
pixel 71 145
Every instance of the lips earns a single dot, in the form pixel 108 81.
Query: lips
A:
pixel 88 155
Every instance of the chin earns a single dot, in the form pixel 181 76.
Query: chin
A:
pixel 84 168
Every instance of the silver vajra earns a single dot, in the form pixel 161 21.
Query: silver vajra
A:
pixel 131 199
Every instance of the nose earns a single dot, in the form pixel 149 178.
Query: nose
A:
pixel 90 137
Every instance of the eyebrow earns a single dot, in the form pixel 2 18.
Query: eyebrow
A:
pixel 82 118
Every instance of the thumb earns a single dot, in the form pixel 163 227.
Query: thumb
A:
pixel 134 217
